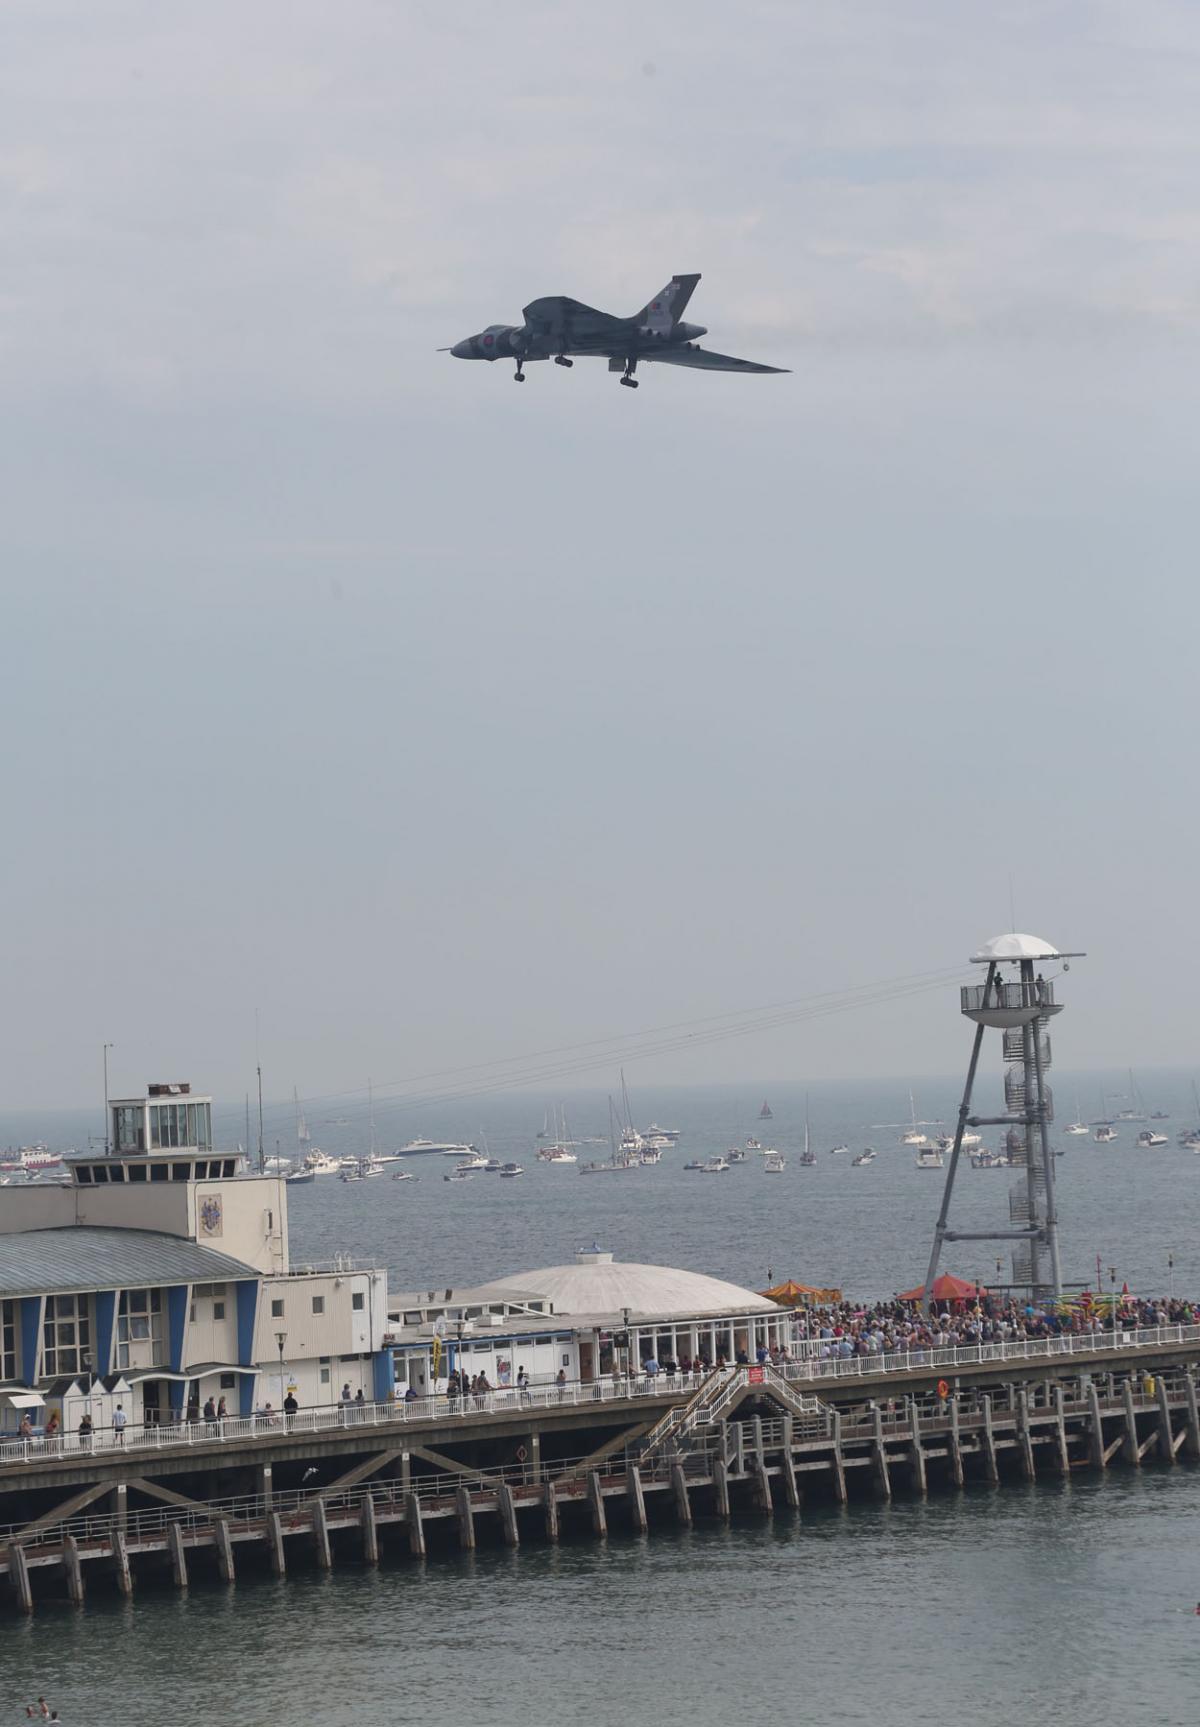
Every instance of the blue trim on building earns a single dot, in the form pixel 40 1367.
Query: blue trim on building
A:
pixel 106 1309
pixel 247 1311
pixel 31 1332
pixel 246 1384
pixel 385 1375
pixel 177 1312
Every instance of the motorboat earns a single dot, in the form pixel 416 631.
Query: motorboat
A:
pixel 300 1177
pixel 1105 1134
pixel 986 1159
pixel 493 1166
pixel 670 1134
pixel 735 1154
pixel 428 1147
pixel 1191 1141
pixel 774 1163
pixel 473 1160
pixel 31 1158
pixel 350 1174
pixel 511 1169
pixel 1160 1115
pixel 694 1163
pixel 1148 1139
pixel 560 1154
pixel 718 1165
pixel 752 1144
pixel 930 1159
pixel 319 1164
pixel 867 1156
pixel 404 1175
pixel 838 1150
pixel 650 1154
pixel 459 1173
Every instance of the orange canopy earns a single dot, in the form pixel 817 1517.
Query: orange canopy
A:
pixel 947 1287
pixel 792 1294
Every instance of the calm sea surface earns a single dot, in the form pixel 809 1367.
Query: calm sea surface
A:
pixel 1035 1603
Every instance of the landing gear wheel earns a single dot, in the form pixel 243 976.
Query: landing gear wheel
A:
pixel 561 360
pixel 630 383
pixel 519 374
pixel 630 369
pixel 518 377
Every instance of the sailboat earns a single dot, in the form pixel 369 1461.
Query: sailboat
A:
pixel 764 1113
pixel 913 1135
pixel 808 1156
pixel 302 1134
pixel 631 1140
pixel 1078 1125
pixel 615 1163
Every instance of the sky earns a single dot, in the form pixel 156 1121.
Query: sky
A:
pixel 366 716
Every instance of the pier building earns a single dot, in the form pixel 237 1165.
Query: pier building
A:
pixel 587 1318
pixel 157 1274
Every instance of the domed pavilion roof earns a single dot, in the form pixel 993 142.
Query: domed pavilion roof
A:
pixel 597 1285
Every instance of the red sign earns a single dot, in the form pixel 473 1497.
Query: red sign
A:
pixel 754 1376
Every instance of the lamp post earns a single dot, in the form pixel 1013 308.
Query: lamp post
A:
pixel 1112 1279
pixel 107 1124
pixel 281 1338
pixel 460 1327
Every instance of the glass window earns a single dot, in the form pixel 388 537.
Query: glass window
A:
pixel 277 1309
pixel 8 1340
pixel 218 1310
pixel 357 1301
pixel 129 1128
pixel 318 1304
pixel 324 1376
pixel 66 1335
pixel 100 1175
pixel 159 1172
pixel 83 1176
pixel 228 1381
pixel 137 1172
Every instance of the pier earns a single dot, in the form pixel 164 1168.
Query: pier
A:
pixel 740 1441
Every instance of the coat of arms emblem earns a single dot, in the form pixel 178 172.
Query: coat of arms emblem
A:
pixel 210 1215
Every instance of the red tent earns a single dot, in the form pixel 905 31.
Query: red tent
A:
pixel 947 1287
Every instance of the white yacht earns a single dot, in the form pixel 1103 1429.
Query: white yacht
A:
pixel 1078 1125
pixel 669 1134
pixel 838 1150
pixel 1106 1133
pixel 558 1154
pixel 753 1144
pixel 458 1173
pixel 930 1159
pixel 320 1164
pixel 867 1156
pixel 774 1163
pixel 473 1160
pixel 718 1165
pixel 511 1169
pixel 735 1154
pixel 1147 1139
pixel 427 1147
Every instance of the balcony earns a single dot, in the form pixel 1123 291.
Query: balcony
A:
pixel 1005 1005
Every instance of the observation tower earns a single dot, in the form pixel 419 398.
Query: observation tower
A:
pixel 1019 1004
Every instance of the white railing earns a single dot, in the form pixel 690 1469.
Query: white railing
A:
pixel 1090 1344
pixel 333 1418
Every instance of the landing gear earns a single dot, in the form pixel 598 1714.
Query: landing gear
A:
pixel 561 360
pixel 631 382
pixel 519 374
pixel 628 377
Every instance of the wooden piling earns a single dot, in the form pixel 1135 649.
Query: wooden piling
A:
pixel 762 1488
pixel 679 1486
pixel 1191 1439
pixel 636 1498
pixel 18 1571
pixel 320 1529
pixel 916 1452
pixel 120 1559
pixel 466 1519
pixel 883 1478
pixel 1024 1437
pixel 73 1569
pixel 178 1556
pixel 1166 1439
pixel 991 1468
pixel 596 1501
pixel 275 1547
pixel 224 1546
pixel 839 1466
pixel 550 1504
pixel 954 1445
pixel 508 1515
pixel 1129 1452
pixel 416 1529
pixel 370 1531
pixel 721 1487
pixel 1096 1451
pixel 1060 1431
pixel 787 1467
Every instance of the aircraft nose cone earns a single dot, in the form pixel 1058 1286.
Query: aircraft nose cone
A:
pixel 462 350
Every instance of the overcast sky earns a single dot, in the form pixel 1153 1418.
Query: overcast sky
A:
pixel 439 721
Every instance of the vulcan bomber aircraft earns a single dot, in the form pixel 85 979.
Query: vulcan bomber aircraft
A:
pixel 559 329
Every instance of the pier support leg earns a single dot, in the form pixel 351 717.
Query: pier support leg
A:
pixel 1060 1431
pixel 1024 1439
pixel 73 1569
pixel 1096 1452
pixel 1191 1442
pixel 991 1469
pixel 839 1466
pixel 224 1546
pixel 883 1479
pixel 508 1516
pixel 120 1559
pixel 266 1490
pixel 320 1529
pixel 916 1453
pixel 636 1498
pixel 596 1501
pixel 787 1467
pixel 1129 1452
pixel 679 1486
pixel 535 1457
pixel 550 1501
pixel 466 1519
pixel 370 1531
pixel 721 1487
pixel 178 1556
pixel 275 1549
pixel 954 1445
pixel 18 1571
pixel 416 1529
pixel 406 1472
pixel 120 1505
pixel 762 1488
pixel 1166 1439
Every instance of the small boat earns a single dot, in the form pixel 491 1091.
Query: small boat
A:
pixel 867 1156
pixel 1191 1141
pixel 371 1166
pixel 458 1173
pixel 718 1165
pixel 670 1134
pixel 752 1144
pixel 350 1175
pixel 559 1154
pixel 612 1166
pixel 473 1160
pixel 1147 1139
pixel 930 1159
pixel 404 1175
pixel 988 1160
pixel 764 1113
pixel 493 1165
pixel 319 1164
pixel 511 1169
pixel 913 1134
pixel 838 1150
pixel 1105 1134
pixel 650 1154
pixel 1160 1115
pixel 300 1177
pixel 774 1163
pixel 694 1163
pixel 735 1154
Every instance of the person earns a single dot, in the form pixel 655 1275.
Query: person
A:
pixel 410 1395
pixel 560 1380
pixel 290 1407
pixel 346 1392
pixel 43 1708
pixel 119 1420
pixel 210 1412
pixel 522 1384
pixel 222 1410
pixel 25 1431
pixel 52 1425
pixel 85 1431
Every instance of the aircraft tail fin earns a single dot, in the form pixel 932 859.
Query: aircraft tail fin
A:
pixel 663 312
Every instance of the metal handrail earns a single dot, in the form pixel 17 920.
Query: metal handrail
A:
pixel 1069 1344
